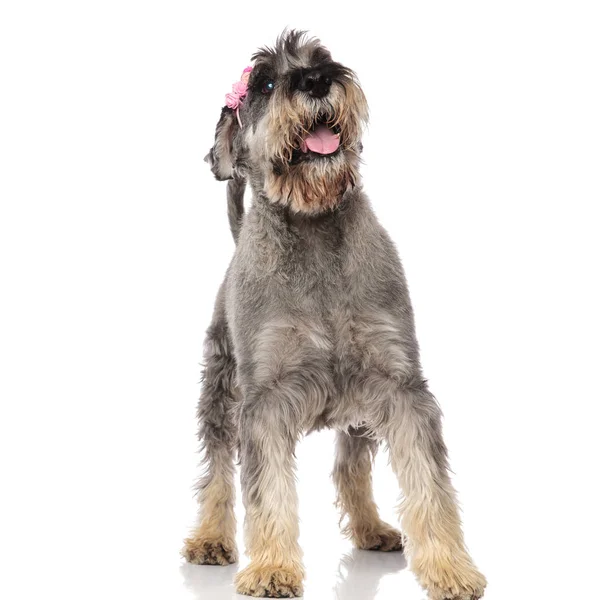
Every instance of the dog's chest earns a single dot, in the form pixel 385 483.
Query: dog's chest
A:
pixel 339 284
pixel 331 289
pixel 313 265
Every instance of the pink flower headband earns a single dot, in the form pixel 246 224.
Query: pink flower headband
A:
pixel 238 92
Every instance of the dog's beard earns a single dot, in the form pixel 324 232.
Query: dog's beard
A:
pixel 313 148
pixel 314 185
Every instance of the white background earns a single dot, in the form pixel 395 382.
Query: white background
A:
pixel 482 160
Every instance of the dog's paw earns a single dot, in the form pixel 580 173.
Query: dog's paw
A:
pixel 457 581
pixel 472 591
pixel 203 551
pixel 383 538
pixel 269 582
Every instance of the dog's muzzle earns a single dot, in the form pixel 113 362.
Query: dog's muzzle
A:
pixel 315 83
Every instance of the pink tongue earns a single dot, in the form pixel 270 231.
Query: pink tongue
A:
pixel 322 140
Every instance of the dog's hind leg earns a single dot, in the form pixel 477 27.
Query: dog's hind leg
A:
pixel 213 540
pixel 429 511
pixel 353 482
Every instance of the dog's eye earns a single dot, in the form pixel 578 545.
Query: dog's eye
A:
pixel 268 86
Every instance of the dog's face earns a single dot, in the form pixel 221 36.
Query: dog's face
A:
pixel 302 121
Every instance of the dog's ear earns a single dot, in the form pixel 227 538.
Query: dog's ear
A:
pixel 220 157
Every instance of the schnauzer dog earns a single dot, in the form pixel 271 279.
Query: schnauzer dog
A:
pixel 313 327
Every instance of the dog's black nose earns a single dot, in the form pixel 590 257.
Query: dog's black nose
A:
pixel 315 83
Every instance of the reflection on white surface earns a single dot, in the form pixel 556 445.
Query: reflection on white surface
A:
pixel 359 574
pixel 210 582
pixel 361 571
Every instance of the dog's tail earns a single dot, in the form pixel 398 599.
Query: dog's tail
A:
pixel 235 205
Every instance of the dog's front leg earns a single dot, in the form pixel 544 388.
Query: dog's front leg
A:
pixel 268 432
pixel 429 511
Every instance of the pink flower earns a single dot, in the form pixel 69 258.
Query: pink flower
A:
pixel 240 88
pixel 246 75
pixel 232 100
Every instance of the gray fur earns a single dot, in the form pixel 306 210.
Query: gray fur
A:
pixel 313 327
pixel 215 409
pixel 235 205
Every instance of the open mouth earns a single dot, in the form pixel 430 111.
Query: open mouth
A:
pixel 322 138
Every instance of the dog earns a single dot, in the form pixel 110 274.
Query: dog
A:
pixel 313 328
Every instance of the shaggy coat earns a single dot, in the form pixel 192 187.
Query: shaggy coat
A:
pixel 313 327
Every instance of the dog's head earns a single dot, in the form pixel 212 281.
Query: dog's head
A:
pixel 297 133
